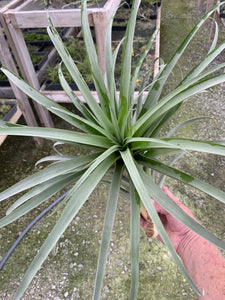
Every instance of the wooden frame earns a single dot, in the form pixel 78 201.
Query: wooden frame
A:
pixel 61 97
pixel 15 117
pixel 23 105
pixel 18 17
pixel 7 61
pixel 15 18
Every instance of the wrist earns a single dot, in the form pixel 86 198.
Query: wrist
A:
pixel 186 242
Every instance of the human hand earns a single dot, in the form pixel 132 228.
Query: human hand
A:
pixel 176 231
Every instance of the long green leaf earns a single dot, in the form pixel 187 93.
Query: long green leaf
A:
pixel 37 190
pixel 158 86
pixel 139 64
pixel 94 64
pixel 73 206
pixel 181 93
pixel 65 136
pixel 77 77
pixel 141 188
pixel 183 177
pixel 74 99
pixel 110 61
pixel 127 51
pixel 205 62
pixel 94 165
pixel 47 174
pixel 49 104
pixel 38 199
pixel 155 127
pixel 124 104
pixel 86 125
pixel 142 144
pixel 134 240
pixel 157 152
pixel 182 144
pixel 107 228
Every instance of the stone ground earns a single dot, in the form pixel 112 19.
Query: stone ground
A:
pixel 69 271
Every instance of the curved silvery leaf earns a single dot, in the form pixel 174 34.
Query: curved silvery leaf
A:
pixel 77 77
pixel 177 96
pixel 54 134
pixel 107 228
pixel 172 132
pixel 156 91
pixel 144 196
pixel 69 212
pixel 134 239
pixel 17 212
pixel 139 64
pixel 183 177
pixel 54 158
pixel 74 99
pixel 47 174
pixel 49 104
pixel 94 64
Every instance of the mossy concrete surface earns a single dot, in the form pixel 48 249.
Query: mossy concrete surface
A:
pixel 69 272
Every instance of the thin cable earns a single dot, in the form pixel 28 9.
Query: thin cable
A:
pixel 6 257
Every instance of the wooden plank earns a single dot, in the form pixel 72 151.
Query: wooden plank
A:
pixel 11 5
pixel 100 23
pixel 22 56
pixel 60 17
pixel 22 100
pixel 17 18
pixel 39 18
pixel 61 97
pixel 13 120
pixel 11 100
pixel 157 42
pixel 26 67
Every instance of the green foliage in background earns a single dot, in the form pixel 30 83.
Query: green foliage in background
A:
pixel 123 131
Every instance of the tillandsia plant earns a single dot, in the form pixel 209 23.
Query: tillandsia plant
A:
pixel 123 132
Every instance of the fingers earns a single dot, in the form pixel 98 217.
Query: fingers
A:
pixel 143 222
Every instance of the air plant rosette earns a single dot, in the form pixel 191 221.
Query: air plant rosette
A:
pixel 123 131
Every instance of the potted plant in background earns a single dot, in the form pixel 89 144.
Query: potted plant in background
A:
pixel 124 135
